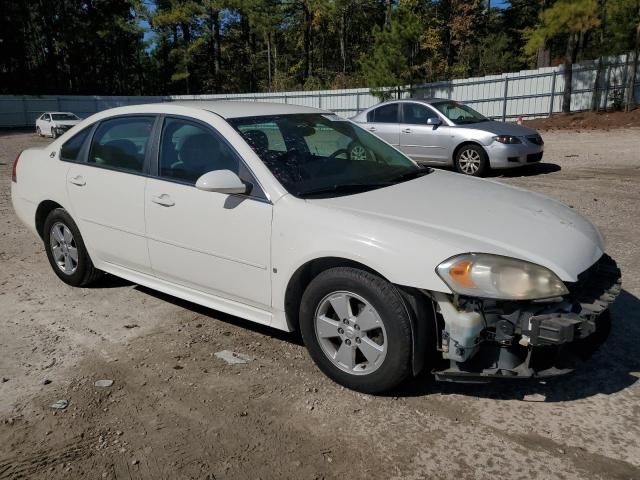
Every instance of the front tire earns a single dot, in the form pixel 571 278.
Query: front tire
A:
pixel 472 160
pixel 54 134
pixel 38 131
pixel 66 250
pixel 357 329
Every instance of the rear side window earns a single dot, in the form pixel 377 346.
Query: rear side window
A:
pixel 121 143
pixel 384 114
pixel 70 150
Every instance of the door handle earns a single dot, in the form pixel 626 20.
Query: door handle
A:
pixel 164 200
pixel 406 130
pixel 78 180
pixel 372 129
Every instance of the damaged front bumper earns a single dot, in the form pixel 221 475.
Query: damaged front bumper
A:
pixel 482 339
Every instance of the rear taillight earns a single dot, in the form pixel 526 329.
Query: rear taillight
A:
pixel 14 172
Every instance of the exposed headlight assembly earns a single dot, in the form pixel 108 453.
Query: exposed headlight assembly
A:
pixel 504 278
pixel 508 139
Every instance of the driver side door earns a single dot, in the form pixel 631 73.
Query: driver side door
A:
pixel 215 243
pixel 424 143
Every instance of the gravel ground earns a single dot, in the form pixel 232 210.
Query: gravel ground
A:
pixel 175 410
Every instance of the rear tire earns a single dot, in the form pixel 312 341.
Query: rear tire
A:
pixel 66 250
pixel 357 329
pixel 472 160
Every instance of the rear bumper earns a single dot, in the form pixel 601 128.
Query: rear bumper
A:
pixel 528 339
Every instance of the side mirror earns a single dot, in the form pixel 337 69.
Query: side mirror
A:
pixel 435 121
pixel 223 181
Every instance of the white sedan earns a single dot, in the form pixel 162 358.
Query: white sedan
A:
pixel 295 218
pixel 54 124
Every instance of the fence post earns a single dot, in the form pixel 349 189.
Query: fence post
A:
pixel 319 99
pixel 25 111
pixel 285 98
pixel 357 102
pixel 553 93
pixel 504 100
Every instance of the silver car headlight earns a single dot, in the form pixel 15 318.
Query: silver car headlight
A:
pixel 504 278
pixel 507 139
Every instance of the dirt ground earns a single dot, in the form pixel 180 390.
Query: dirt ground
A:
pixel 176 411
pixel 587 121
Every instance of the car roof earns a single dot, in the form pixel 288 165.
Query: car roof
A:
pixel 62 113
pixel 231 109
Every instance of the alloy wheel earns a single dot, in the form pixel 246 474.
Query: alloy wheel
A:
pixel 469 161
pixel 63 248
pixel 350 333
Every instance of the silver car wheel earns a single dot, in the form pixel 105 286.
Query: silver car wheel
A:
pixel 63 248
pixel 351 333
pixel 358 153
pixel 469 161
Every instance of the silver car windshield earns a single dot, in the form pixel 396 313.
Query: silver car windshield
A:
pixel 458 113
pixel 316 155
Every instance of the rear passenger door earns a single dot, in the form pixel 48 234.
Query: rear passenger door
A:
pixel 106 183
pixel 383 122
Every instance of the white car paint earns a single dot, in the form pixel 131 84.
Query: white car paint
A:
pixel 47 123
pixel 238 255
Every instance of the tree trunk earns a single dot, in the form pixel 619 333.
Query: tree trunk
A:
pixel 343 41
pixel 268 39
pixel 307 42
pixel 631 88
pixel 570 57
pixel 595 98
pixel 216 43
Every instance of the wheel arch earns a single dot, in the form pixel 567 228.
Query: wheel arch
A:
pixel 42 212
pixel 418 305
pixel 465 143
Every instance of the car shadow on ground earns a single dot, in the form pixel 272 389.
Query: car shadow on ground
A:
pixel 609 371
pixel 291 337
pixel 526 171
pixel 612 368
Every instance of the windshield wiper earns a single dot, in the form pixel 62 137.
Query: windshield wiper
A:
pixel 343 188
pixel 413 174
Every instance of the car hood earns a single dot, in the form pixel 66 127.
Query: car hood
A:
pixel 457 214
pixel 502 128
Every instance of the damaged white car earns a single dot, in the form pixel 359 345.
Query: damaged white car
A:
pixel 295 218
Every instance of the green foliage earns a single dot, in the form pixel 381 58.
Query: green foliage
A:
pixel 391 59
pixel 563 18
pixel 210 46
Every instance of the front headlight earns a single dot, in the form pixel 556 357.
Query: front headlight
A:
pixel 508 139
pixel 504 278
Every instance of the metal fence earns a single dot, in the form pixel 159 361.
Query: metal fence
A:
pixel 528 93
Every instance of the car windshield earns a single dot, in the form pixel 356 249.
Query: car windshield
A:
pixel 64 116
pixel 323 155
pixel 458 113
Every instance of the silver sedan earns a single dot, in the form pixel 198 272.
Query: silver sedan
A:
pixel 447 133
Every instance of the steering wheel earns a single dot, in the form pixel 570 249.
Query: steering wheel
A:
pixel 338 152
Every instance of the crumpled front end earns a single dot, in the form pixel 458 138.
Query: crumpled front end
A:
pixel 480 339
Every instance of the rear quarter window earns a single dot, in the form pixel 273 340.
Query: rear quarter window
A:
pixel 70 150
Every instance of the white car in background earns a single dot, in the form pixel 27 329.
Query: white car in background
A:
pixel 54 124
pixel 295 218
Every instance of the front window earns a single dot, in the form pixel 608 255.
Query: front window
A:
pixel 64 116
pixel 324 155
pixel 458 113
